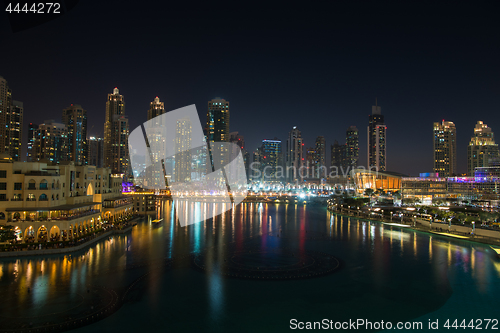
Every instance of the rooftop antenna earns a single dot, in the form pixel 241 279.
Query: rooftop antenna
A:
pixel 376 101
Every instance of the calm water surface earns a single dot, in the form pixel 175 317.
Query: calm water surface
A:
pixel 386 274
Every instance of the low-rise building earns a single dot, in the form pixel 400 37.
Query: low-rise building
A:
pixel 144 202
pixel 44 201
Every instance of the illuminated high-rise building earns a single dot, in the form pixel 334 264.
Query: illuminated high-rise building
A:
pixel 15 130
pixel 5 103
pixel 51 143
pixel 339 159
pixel 156 108
pixel 75 119
pixel 272 159
pixel 11 122
pixel 183 154
pixel 217 127
pixel 30 154
pixel 311 161
pixel 481 149
pixel 96 151
pixel 445 149
pixel 320 152
pixel 294 155
pixel 352 147
pixel 377 158
pixel 116 132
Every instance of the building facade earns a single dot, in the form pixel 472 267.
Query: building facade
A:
pixel 31 152
pixel 96 151
pixel 481 149
pixel 339 161
pixel 11 122
pixel 74 118
pixel 217 127
pixel 272 160
pixel 445 149
pixel 294 155
pixel 156 108
pixel 116 132
pixel 51 142
pixel 311 162
pixel 377 157
pixel 64 201
pixel 352 146
pixel 320 159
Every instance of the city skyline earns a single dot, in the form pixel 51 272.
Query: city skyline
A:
pixel 312 78
pixel 156 107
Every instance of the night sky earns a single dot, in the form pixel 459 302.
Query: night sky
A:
pixel 318 68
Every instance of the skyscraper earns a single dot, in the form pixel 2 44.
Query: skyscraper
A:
pixel 352 147
pixel 75 119
pixel 320 156
pixel 96 151
pixel 5 103
pixel 481 149
pixel 11 122
pixel 15 130
pixel 30 154
pixel 294 155
pixel 257 165
pixel 272 159
pixel 51 143
pixel 311 162
pixel 116 131
pixel 156 108
pixel 377 139
pixel 239 140
pixel 445 149
pixel 339 160
pixel 217 127
pixel 183 157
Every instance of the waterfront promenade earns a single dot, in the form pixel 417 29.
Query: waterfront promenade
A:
pixel 65 247
pixel 486 236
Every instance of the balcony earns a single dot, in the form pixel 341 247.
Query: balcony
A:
pixel 16 199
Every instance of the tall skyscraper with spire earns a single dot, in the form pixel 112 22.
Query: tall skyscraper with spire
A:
pixel 75 119
pixel 482 148
pixel 377 158
pixel 445 149
pixel 156 108
pixel 116 132
pixel 294 154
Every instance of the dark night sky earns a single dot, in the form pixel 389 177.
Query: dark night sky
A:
pixel 318 68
